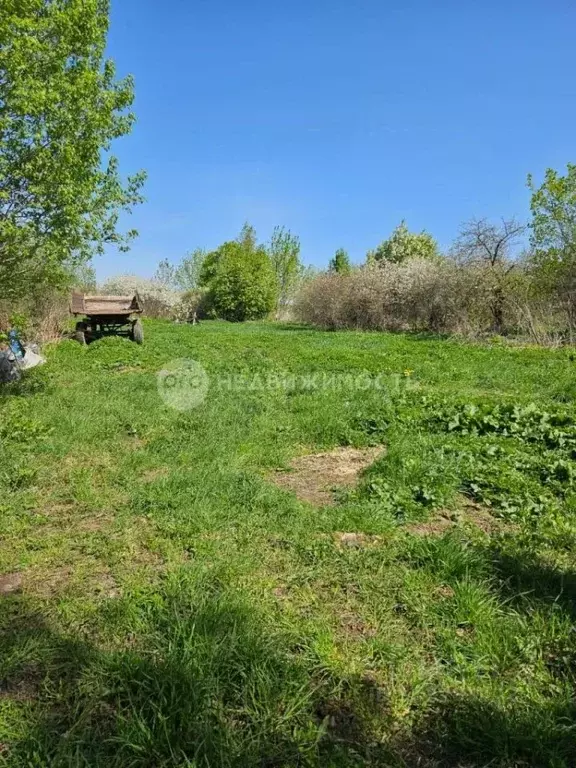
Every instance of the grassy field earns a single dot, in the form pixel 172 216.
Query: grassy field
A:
pixel 164 603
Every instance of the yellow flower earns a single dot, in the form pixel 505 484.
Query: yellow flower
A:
pixel 408 372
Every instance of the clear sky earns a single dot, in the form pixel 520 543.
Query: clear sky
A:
pixel 338 118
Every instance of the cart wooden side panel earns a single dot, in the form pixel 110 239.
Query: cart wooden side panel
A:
pixel 106 306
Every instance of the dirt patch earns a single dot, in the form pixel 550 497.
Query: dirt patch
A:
pixel 146 558
pixel 10 583
pixel 25 689
pixel 48 583
pixel 481 517
pixel 314 478
pixel 340 719
pixel 469 513
pixel 90 579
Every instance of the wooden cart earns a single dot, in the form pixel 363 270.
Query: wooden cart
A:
pixel 107 316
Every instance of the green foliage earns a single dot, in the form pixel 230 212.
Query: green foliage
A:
pixel 553 206
pixel 403 245
pixel 240 279
pixel 199 272
pixel 284 252
pixel 553 237
pixel 22 429
pixel 83 278
pixel 61 108
pixel 247 237
pixel 516 459
pixel 340 262
pixel 555 430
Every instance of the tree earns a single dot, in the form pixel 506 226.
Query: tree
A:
pixel 403 244
pixel 340 262
pixel 83 278
pixel 240 279
pixel 165 274
pixel 490 248
pixel 553 236
pixel 247 237
pixel 244 286
pixel 187 275
pixel 284 252
pixel 61 107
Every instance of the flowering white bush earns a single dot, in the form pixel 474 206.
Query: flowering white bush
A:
pixel 159 300
pixel 404 245
pixel 417 294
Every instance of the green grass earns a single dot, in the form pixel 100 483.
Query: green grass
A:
pixel 179 609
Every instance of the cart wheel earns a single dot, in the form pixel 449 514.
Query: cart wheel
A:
pixel 80 333
pixel 138 332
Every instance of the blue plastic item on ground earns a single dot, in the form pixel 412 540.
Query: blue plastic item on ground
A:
pixel 17 358
pixel 16 345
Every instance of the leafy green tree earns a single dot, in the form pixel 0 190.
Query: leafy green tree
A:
pixel 209 267
pixel 244 285
pixel 340 262
pixel 403 245
pixel 553 236
pixel 240 279
pixel 247 239
pixel 284 252
pixel 61 107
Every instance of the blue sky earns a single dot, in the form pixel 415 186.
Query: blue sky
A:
pixel 338 118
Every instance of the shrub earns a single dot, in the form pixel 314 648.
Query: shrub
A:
pixel 40 317
pixel 241 282
pixel 417 294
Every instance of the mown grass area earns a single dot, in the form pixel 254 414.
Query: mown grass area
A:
pixel 177 608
